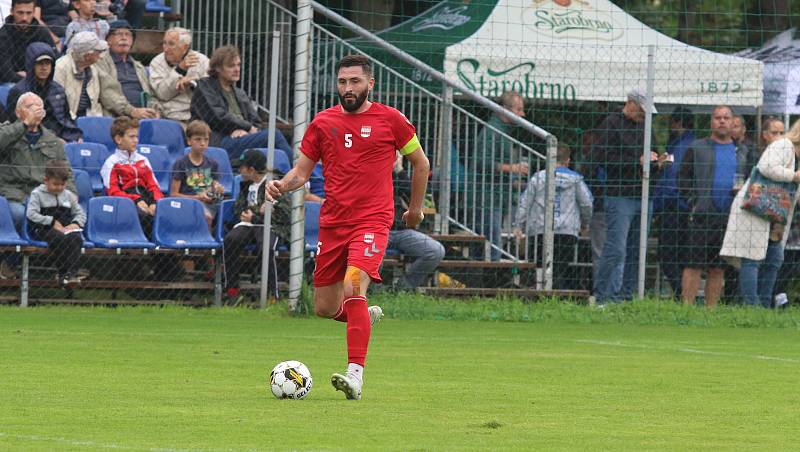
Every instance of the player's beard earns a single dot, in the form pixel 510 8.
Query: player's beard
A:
pixel 353 105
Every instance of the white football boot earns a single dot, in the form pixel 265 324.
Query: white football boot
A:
pixel 348 384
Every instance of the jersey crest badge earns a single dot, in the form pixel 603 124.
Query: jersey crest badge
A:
pixel 366 131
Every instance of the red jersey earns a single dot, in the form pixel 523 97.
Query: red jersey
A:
pixel 357 153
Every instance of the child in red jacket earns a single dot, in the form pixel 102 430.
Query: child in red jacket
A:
pixel 128 174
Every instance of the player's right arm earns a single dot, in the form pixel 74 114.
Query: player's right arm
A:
pixel 294 179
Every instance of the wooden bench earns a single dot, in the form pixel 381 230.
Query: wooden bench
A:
pixel 25 283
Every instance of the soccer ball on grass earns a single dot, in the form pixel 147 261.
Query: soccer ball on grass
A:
pixel 290 380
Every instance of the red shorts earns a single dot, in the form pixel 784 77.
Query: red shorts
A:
pixel 361 247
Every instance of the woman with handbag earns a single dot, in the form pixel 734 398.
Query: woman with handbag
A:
pixel 760 219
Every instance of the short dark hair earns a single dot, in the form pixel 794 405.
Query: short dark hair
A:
pixel 221 56
pixel 20 2
pixel 123 124
pixel 57 170
pixel 355 60
pixel 683 116
pixel 197 127
pixel 563 153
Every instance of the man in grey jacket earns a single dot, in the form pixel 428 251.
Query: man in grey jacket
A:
pixel 25 146
pixel 706 180
pixel 573 210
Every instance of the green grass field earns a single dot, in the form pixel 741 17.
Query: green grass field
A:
pixel 560 377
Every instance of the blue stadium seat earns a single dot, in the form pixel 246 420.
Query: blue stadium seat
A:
pixel 225 176
pixel 113 222
pixel 237 184
pixel 83 183
pixel 164 132
pixel 312 225
pixel 157 6
pixel 26 232
pixel 97 129
pixel 5 88
pixel 317 182
pixel 8 233
pixel 224 216
pixel 282 161
pixel 181 223
pixel 161 162
pixel 90 158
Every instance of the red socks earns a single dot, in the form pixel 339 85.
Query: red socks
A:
pixel 356 314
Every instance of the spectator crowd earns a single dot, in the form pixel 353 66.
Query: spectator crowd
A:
pixel 64 61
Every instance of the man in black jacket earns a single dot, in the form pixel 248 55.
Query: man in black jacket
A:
pixel 40 66
pixel 618 150
pixel 19 30
pixel 228 110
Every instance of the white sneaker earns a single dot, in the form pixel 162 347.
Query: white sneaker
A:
pixel 375 315
pixel 348 384
pixel 781 300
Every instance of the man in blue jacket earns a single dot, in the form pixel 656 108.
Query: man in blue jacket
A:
pixel 40 64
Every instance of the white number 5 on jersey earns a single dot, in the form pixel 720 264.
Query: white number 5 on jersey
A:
pixel 348 140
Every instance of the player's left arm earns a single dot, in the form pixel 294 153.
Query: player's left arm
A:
pixel 421 169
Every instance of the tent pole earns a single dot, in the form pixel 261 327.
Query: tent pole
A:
pixel 648 133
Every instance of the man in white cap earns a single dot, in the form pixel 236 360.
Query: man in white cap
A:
pixel 90 90
pixel 618 153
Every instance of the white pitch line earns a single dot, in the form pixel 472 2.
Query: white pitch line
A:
pixel 688 350
pixel 86 443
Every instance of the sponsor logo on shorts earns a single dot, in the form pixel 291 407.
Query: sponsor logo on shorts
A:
pixel 371 251
pixel 369 238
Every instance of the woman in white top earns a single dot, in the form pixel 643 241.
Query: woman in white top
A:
pixel 752 243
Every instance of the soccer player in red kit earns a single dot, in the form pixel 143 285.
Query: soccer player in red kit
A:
pixel 357 142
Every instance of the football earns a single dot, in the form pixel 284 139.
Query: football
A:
pixel 290 380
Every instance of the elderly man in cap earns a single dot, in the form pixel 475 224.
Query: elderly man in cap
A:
pixel 40 61
pixel 173 73
pixel 118 63
pixel 618 150
pixel 90 90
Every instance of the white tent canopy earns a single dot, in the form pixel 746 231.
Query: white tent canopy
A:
pixel 593 50
pixel 781 58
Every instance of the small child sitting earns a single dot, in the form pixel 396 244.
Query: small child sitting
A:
pixel 194 175
pixel 58 219
pixel 248 210
pixel 128 173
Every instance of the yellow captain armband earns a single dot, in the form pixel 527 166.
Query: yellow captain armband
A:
pixel 411 146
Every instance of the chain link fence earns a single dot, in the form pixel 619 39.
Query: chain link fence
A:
pixel 612 81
